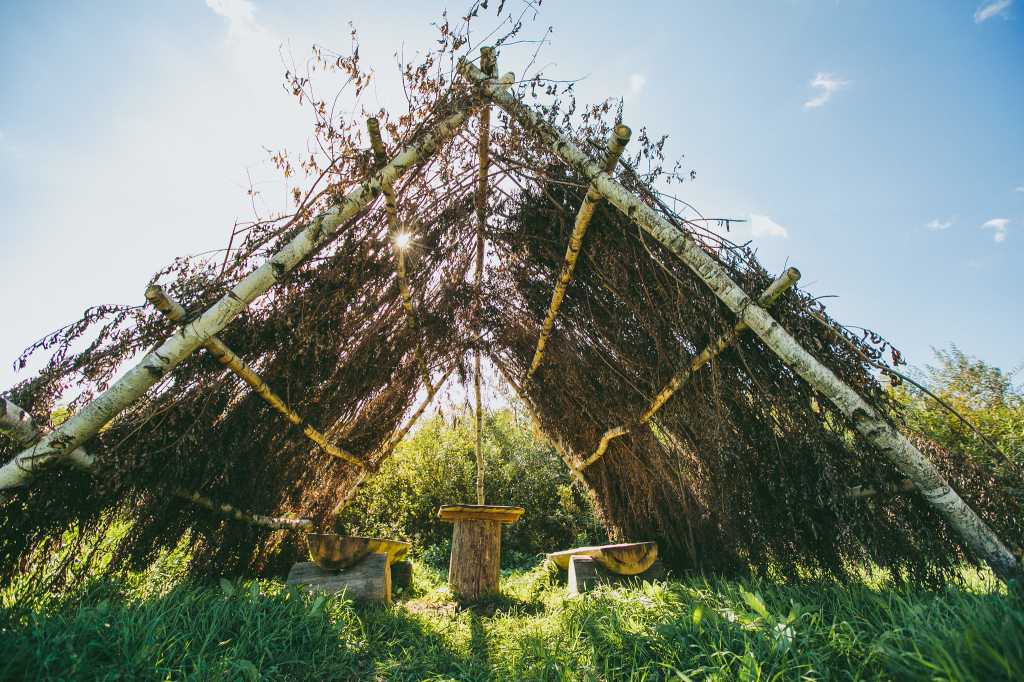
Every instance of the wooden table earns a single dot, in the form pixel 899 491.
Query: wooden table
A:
pixel 476 547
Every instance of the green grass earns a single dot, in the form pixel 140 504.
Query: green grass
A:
pixel 152 626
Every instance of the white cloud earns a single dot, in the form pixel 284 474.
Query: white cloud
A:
pixel 1021 188
pixel 763 226
pixel 829 84
pixel 936 225
pixel 239 14
pixel 991 9
pixel 1000 226
pixel 636 82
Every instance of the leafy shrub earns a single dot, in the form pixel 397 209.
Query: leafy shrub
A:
pixel 436 466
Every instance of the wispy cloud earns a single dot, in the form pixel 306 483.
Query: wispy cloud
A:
pixel 763 226
pixel 636 83
pixel 239 14
pixel 1021 188
pixel 828 84
pixel 1000 227
pixel 991 9
pixel 936 225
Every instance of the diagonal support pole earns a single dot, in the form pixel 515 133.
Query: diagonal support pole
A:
pixel 616 144
pixel 576 473
pixel 173 311
pixel 392 444
pixel 126 390
pixel 871 425
pixel 774 290
pixel 399 243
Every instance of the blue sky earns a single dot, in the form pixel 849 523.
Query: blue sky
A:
pixel 877 146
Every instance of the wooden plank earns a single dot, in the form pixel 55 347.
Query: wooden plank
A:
pixel 623 559
pixel 585 574
pixel 482 512
pixel 367 582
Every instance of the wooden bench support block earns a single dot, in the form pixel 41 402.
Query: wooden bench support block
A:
pixel 366 582
pixel 401 574
pixel 476 558
pixel 585 574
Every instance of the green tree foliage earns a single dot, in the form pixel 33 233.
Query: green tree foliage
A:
pixel 437 465
pixel 985 396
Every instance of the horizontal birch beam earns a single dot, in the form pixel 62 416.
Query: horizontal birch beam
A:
pixel 231 512
pixel 19 426
pixel 864 418
pixel 576 473
pixel 774 290
pixel 173 311
pixel 392 444
pixel 157 363
pixel 616 144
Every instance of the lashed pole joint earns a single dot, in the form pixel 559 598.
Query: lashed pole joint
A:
pixel 865 419
pixel 399 243
pixel 173 311
pixel 91 418
pixel 616 144
pixel 774 290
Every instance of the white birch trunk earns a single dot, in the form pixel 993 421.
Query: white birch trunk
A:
pixel 871 425
pixel 90 419
pixel 20 427
pixel 231 512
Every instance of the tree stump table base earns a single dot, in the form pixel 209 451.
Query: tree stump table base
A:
pixel 476 547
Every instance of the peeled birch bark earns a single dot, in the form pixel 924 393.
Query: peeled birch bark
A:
pixel 91 418
pixel 616 144
pixel 173 311
pixel 867 422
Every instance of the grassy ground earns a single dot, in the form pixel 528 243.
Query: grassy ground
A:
pixel 153 627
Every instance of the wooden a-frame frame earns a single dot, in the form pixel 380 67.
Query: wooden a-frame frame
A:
pixel 64 442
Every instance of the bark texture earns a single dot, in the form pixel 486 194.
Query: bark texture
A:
pixel 476 558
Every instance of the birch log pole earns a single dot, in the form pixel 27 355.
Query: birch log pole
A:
pixel 489 68
pixel 869 423
pixel 774 290
pixel 19 426
pixel 616 144
pixel 91 418
pixel 173 311
pixel 399 243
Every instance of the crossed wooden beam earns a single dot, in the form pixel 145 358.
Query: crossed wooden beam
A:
pixel 64 442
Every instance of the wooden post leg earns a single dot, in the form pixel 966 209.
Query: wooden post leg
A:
pixel 476 558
